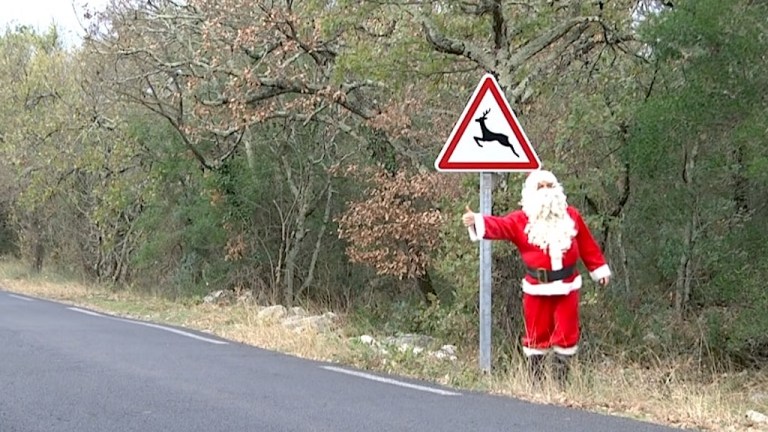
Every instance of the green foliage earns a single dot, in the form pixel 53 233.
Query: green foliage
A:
pixel 688 148
pixel 191 216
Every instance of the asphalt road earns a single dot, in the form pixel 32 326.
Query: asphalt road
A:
pixel 66 369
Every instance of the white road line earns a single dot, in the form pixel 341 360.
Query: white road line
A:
pixel 391 381
pixel 20 297
pixel 172 330
pixel 83 311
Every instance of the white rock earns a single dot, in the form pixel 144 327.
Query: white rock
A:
pixel 292 321
pixel 212 297
pixel 366 339
pixel 271 313
pixel 650 337
pixel 448 349
pixel 757 417
pixel 300 324
pixel 298 310
pixel 441 355
pixel 410 339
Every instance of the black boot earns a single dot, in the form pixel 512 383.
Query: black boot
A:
pixel 536 368
pixel 562 369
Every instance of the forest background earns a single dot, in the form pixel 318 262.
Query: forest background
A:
pixel 285 149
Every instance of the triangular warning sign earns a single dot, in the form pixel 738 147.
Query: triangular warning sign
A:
pixel 488 136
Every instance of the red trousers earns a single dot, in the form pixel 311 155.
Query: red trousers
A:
pixel 551 323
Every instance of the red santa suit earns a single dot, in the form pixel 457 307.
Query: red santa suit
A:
pixel 551 285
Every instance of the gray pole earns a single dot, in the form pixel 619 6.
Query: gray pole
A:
pixel 486 181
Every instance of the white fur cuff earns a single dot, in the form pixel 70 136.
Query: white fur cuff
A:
pixel 600 272
pixel 528 352
pixel 566 351
pixel 480 225
pixel 472 234
pixel 477 232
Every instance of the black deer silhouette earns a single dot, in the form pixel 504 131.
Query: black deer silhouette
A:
pixel 489 136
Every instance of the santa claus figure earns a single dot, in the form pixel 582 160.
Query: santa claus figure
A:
pixel 551 237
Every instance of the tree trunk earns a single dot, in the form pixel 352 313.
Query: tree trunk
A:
pixel 249 154
pixel 38 248
pixel 622 251
pixel 284 244
pixel 37 267
pixel 685 268
pixel 319 243
pixel 684 282
pixel 740 182
pixel 425 285
pixel 292 254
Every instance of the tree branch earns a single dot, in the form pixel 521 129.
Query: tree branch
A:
pixel 535 46
pixel 444 44
pixel 272 87
pixel 500 30
pixel 292 35
pixel 624 193
pixel 522 91
pixel 258 56
pixel 232 148
pixel 158 108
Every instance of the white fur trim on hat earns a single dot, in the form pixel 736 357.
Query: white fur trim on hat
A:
pixel 535 177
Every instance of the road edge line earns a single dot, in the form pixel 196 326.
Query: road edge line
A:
pixel 172 330
pixel 87 312
pixel 391 381
pixel 21 297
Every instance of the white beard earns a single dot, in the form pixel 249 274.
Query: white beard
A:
pixel 549 225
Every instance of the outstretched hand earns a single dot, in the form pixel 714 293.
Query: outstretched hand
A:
pixel 469 217
pixel 604 281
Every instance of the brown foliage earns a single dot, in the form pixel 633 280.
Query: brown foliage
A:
pixel 236 248
pixel 397 227
pixel 214 69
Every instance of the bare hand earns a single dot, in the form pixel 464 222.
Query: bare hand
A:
pixel 469 217
pixel 604 281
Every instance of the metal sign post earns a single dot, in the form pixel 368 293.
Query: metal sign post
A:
pixel 486 198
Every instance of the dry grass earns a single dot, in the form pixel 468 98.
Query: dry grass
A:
pixel 658 394
pixel 654 395
pixel 236 322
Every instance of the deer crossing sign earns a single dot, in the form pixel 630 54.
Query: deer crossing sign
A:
pixel 488 137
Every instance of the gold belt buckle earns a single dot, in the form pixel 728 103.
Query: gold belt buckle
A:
pixel 541 275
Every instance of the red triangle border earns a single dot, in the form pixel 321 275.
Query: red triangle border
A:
pixel 533 163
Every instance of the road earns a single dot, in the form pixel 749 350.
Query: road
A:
pixel 68 369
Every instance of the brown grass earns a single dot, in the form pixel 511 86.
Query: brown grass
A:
pixel 647 394
pixel 660 394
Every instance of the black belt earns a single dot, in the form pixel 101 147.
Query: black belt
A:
pixel 545 276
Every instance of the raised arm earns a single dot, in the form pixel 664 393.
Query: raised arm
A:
pixel 489 227
pixel 589 250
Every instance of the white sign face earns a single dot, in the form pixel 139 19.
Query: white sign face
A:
pixel 488 136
